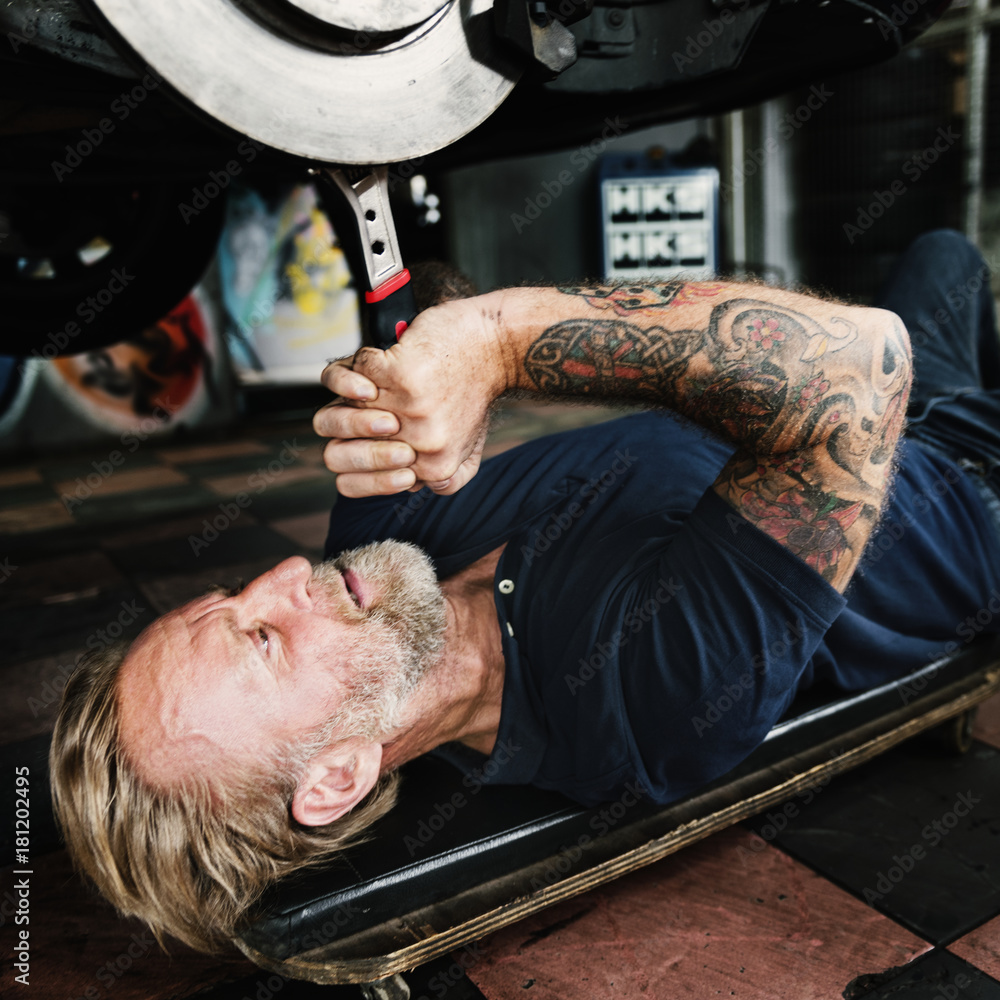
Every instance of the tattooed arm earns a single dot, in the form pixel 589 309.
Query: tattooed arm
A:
pixel 811 393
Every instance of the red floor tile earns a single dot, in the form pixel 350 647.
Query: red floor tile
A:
pixel 64 578
pixel 32 692
pixel 212 452
pixel 265 477
pixel 19 477
pixel 981 948
pixel 123 480
pixel 164 530
pixel 729 916
pixel 34 517
pixel 987 727
pixel 308 530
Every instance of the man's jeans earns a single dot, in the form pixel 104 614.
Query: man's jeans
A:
pixel 940 288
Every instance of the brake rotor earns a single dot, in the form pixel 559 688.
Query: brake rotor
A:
pixel 332 80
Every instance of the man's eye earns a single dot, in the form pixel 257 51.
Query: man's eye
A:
pixel 263 637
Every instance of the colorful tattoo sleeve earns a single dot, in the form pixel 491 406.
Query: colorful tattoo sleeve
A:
pixel 813 403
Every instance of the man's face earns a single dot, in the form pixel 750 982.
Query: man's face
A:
pixel 223 676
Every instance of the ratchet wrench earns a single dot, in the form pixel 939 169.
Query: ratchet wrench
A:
pixel 389 304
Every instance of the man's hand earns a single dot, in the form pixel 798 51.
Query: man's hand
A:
pixel 417 413
pixel 812 394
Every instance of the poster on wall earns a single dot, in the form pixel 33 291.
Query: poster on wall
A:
pixel 159 379
pixel 288 294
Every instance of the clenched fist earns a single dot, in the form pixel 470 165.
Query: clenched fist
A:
pixel 416 414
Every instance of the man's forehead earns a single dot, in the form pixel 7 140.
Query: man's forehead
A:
pixel 173 695
pixel 143 701
pixel 149 648
pixel 163 639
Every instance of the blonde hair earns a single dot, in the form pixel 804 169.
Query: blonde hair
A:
pixel 190 861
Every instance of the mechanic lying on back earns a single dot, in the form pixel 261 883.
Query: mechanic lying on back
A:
pixel 636 602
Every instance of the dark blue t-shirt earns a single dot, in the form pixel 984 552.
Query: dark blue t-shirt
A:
pixel 653 635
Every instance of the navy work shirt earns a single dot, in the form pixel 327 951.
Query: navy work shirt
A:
pixel 653 635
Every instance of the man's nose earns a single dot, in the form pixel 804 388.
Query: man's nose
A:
pixel 286 581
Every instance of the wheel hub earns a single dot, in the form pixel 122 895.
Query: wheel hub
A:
pixel 332 80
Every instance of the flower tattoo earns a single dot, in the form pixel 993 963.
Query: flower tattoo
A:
pixel 815 535
pixel 809 391
pixel 765 333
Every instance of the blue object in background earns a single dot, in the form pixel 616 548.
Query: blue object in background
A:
pixel 658 221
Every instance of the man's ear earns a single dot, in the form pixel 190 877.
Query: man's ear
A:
pixel 337 779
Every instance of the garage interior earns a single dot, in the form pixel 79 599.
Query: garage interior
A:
pixel 137 473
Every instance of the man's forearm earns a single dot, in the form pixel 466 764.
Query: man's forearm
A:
pixel 755 364
pixel 813 393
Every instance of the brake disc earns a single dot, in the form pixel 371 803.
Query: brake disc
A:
pixel 339 81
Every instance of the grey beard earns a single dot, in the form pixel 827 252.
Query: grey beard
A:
pixel 395 640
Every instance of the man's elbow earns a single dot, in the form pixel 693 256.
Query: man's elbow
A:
pixel 896 350
pixel 889 378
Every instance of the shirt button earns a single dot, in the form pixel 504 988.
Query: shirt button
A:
pixel 506 586
pixel 510 630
